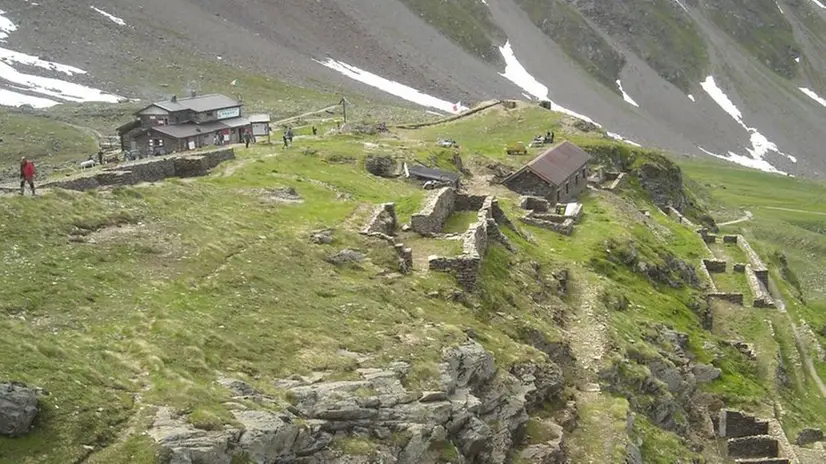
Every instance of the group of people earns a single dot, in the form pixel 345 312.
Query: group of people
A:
pixel 288 135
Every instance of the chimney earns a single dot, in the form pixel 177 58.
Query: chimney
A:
pixel 174 99
pixel 192 94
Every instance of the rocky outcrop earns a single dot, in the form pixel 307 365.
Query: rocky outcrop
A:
pixel 382 166
pixel 18 408
pixel 151 170
pixel 663 181
pixel 667 269
pixel 431 219
pixel 478 410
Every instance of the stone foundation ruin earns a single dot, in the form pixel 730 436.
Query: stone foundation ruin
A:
pixel 756 271
pixel 562 220
pixel 750 439
pixel 382 225
pixel 151 170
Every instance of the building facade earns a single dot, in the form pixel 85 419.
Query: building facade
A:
pixel 181 124
pixel 559 174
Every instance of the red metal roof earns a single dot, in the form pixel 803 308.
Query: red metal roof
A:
pixel 557 163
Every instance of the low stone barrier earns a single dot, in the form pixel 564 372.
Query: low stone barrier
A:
pixel 736 424
pixel 715 265
pixel 565 227
pixel 757 264
pixel 431 219
pixel 761 446
pixel 730 239
pixel 736 298
pixel 762 298
pixel 712 287
pixel 465 202
pixel 382 221
pixel 740 267
pixel 151 170
pixel 618 180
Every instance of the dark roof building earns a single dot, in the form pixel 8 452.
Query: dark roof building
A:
pixel 425 173
pixel 558 174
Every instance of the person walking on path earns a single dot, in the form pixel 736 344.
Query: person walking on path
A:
pixel 27 172
pixel 247 139
pixel 100 157
pixel 290 135
pixel 286 140
pixel 315 130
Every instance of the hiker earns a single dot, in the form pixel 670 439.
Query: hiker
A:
pixel 247 139
pixel 26 175
pixel 100 157
pixel 315 130
pixel 286 140
pixel 290 135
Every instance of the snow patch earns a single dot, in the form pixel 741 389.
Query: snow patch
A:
pixel 760 144
pixel 813 95
pixel 616 136
pixel 112 17
pixel 6 26
pixel 746 161
pixel 11 98
pixel 55 87
pixel 394 88
pixel 778 6
pixel 818 3
pixel 797 60
pixel 691 97
pixel 625 96
pixel 12 57
pixel 681 5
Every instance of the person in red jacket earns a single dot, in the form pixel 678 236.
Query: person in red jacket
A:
pixel 27 172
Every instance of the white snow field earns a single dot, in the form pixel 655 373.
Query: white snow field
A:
pixel 761 145
pixel 394 88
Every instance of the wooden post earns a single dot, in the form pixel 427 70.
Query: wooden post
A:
pixel 343 104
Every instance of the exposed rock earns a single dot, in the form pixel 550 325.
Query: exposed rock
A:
pixel 346 256
pixel 282 195
pixel 807 436
pixel 18 408
pixel 383 220
pixel 568 417
pixel 182 443
pixel 705 373
pixel 633 455
pixel 322 236
pixel 382 166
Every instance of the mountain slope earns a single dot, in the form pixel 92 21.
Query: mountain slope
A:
pixel 760 53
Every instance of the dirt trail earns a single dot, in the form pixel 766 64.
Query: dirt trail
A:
pixel 588 332
pixel 746 217
pixel 792 210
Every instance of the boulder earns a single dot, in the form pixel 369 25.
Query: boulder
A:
pixel 322 237
pixel 18 408
pixel 704 373
pixel 382 166
pixel 346 256
pixel 807 436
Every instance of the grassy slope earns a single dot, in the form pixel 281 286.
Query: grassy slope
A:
pixel 566 26
pixel 760 27
pixel 466 22
pixel 168 294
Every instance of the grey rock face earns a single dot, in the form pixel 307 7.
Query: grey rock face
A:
pixel 705 373
pixel 478 410
pixel 18 408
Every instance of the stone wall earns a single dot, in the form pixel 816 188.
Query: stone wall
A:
pixel 712 287
pixel 757 264
pixel 537 204
pixel 150 170
pixel 760 446
pixel 465 202
pixel 740 267
pixel 762 298
pixel 673 212
pixel 382 221
pixel 730 239
pixel 736 298
pixel 708 237
pixel 529 184
pixel 617 178
pixel 564 228
pixel 431 219
pixel 736 424
pixel 715 265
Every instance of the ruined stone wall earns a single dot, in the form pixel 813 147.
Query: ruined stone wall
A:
pixel 736 424
pixel 757 264
pixel 762 298
pixel 715 265
pixel 564 228
pixel 736 298
pixel 753 447
pixel 712 287
pixel 431 219
pixel 617 178
pixel 730 239
pixel 740 267
pixel 382 221
pixel 540 205
pixel 465 202
pixel 671 211
pixel 151 170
